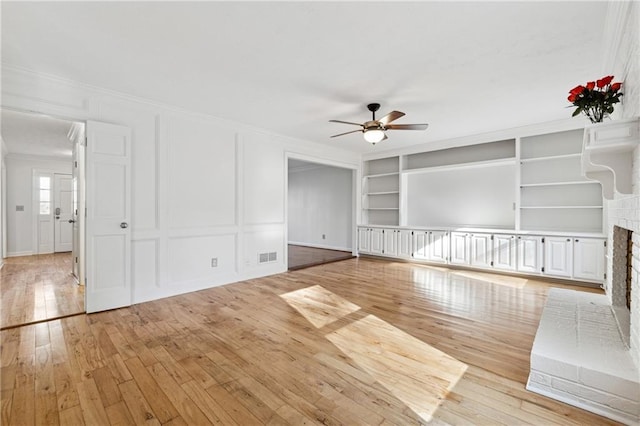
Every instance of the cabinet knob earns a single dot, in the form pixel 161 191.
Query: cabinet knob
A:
pixel 568 239
pixel 577 240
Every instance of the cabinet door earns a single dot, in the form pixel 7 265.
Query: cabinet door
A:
pixel 390 242
pixel 421 245
pixel 588 259
pixel 558 256
pixel 377 240
pixel 405 244
pixel 438 246
pixel 481 250
pixel 459 248
pixel 364 240
pixel 529 254
pixel 504 252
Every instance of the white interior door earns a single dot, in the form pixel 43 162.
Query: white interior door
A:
pixel 108 200
pixel 63 212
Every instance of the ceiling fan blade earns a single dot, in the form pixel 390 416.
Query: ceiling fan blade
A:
pixel 345 122
pixel 407 126
pixel 346 133
pixel 393 115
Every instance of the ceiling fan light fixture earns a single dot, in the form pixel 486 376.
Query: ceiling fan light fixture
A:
pixel 373 136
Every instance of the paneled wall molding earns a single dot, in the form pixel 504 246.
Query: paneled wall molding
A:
pixel 237 170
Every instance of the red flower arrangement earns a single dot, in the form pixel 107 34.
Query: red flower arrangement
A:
pixel 596 98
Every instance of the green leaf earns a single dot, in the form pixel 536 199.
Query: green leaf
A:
pixel 576 112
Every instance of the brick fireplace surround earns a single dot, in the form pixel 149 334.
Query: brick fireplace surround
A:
pixel 587 348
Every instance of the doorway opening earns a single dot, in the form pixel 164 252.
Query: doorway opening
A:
pixel 42 243
pixel 320 212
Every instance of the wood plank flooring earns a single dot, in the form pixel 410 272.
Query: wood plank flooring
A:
pixel 301 257
pixel 361 341
pixel 36 288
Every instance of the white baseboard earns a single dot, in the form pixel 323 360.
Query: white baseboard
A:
pixel 19 253
pixel 320 246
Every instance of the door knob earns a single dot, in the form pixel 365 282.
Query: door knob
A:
pixel 124 225
pixel 72 221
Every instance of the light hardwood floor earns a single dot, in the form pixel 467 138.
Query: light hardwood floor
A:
pixel 360 341
pixel 36 288
pixel 303 257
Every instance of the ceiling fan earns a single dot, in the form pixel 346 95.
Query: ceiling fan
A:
pixel 374 130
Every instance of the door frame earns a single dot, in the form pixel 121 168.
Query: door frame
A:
pixel 355 190
pixel 76 137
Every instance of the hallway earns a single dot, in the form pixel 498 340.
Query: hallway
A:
pixel 301 257
pixel 37 288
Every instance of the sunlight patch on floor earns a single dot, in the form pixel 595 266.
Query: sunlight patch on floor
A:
pixel 416 373
pixel 319 306
pixel 503 280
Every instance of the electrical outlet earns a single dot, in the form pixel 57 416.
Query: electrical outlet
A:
pixel 324 237
pixel 214 262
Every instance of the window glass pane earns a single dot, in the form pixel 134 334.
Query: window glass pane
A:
pixel 44 195
pixel 45 208
pixel 45 182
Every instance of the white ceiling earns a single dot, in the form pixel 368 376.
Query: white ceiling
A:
pixel 33 134
pixel 289 67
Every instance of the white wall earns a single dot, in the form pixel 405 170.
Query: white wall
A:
pixel 3 202
pixel 20 232
pixel 622 59
pixel 320 203
pixel 202 187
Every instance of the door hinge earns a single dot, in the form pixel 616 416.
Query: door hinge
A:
pixel 86 141
pixel 76 259
pixel 492 260
pixel 542 240
pixel 605 275
pixel 75 163
pixel 605 243
pixel 542 269
pixel 492 238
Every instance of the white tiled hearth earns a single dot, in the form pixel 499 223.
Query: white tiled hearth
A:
pixel 579 357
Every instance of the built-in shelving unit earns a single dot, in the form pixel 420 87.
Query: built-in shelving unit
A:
pixel 554 195
pixel 532 183
pixel 381 191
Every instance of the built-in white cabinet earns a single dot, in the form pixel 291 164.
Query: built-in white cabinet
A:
pixel 504 252
pixel 405 244
pixel 390 237
pixel 421 245
pixel 364 240
pixel 558 256
pixel 431 245
pixel 370 240
pixel 460 251
pixel 588 258
pixel 529 254
pixel 438 246
pixel 481 250
pixel 568 257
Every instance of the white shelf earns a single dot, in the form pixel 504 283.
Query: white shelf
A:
pixel 383 193
pixel 560 207
pixel 549 157
pixel 579 182
pixel 382 175
pixel 382 208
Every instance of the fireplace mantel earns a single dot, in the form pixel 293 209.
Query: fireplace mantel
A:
pixel 606 154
